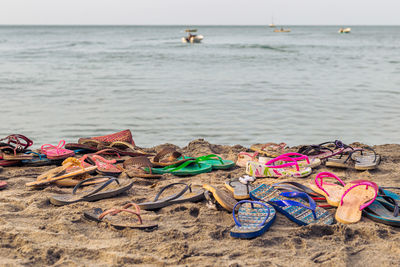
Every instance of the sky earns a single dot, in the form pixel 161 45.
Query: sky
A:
pixel 200 12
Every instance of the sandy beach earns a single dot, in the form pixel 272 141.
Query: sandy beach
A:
pixel 34 232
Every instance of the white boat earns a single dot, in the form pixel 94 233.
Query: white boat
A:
pixel 345 30
pixel 192 38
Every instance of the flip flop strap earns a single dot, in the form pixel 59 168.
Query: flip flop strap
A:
pixel 252 206
pixel 183 165
pixel 99 188
pixel 114 212
pixel 322 175
pixel 49 146
pixel 294 162
pixel 211 156
pixel 38 154
pixel 132 204
pixel 300 156
pixel 296 187
pixel 370 148
pixel 366 183
pixel 110 150
pixel 187 187
pixel 287 202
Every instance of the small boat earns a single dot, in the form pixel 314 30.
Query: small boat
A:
pixel 272 25
pixel 345 30
pixel 282 30
pixel 192 38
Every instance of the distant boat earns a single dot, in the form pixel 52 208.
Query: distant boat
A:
pixel 282 30
pixel 345 30
pixel 272 25
pixel 192 38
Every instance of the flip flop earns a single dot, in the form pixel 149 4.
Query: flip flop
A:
pixel 17 156
pixel 3 185
pixel 104 167
pixel 120 222
pixel 252 220
pixel 332 192
pixel 222 197
pixel 380 212
pixel 321 151
pixel 244 157
pixel 216 162
pixel 302 160
pixel 18 143
pixel 56 152
pixel 124 136
pixel 240 191
pixel 38 159
pixel 297 206
pixel 354 200
pixel 290 169
pixel 190 167
pixel 181 197
pixel 174 157
pixel 102 191
pixel 137 166
pixel 366 161
pixel 84 147
pixel 384 191
pixel 295 186
pixel 271 149
pixel 62 172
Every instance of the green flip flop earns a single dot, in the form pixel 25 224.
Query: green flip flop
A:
pixel 216 162
pixel 190 167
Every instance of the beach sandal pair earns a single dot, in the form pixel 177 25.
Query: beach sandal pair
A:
pixel 299 207
pixel 195 166
pixel 121 218
pixel 272 150
pixel 385 208
pixel 357 158
pixel 253 219
pixel 350 198
pixel 71 167
pixel 187 194
pixel 289 167
pixel 107 189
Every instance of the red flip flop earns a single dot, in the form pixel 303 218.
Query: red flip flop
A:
pixel 56 152
pixel 3 184
pixel 104 166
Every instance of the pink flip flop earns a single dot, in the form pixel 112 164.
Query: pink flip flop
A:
pixel 3 185
pixel 104 166
pixel 302 160
pixel 56 152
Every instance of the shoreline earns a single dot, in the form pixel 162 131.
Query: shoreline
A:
pixel 34 232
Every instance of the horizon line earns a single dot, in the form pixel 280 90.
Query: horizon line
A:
pixel 190 25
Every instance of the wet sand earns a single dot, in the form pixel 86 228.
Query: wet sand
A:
pixel 33 232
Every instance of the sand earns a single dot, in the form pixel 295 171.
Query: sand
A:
pixel 33 232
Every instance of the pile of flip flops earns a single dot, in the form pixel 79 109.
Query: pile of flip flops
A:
pixel 92 167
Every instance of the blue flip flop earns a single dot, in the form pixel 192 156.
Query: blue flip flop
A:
pixel 252 220
pixel 383 191
pixel 37 160
pixel 303 210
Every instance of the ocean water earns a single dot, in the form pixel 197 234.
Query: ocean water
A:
pixel 242 85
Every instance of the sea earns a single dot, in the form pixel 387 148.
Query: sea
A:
pixel 241 85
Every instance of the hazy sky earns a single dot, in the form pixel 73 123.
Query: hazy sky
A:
pixel 196 12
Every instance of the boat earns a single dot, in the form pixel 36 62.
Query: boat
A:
pixel 345 30
pixel 282 30
pixel 272 25
pixel 192 38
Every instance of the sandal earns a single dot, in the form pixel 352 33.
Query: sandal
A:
pixel 120 222
pixel 216 162
pixel 244 157
pixel 105 190
pixel 354 200
pixel 124 136
pixel 222 197
pixel 174 157
pixel 56 152
pixel 104 167
pixel 252 220
pixel 181 197
pixel 71 167
pixel 297 206
pixel 3 184
pixel 240 190
pixel 290 169
pixel 190 167
pixel 138 167
pixel 322 151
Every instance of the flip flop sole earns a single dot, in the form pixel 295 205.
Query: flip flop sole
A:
pixel 222 197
